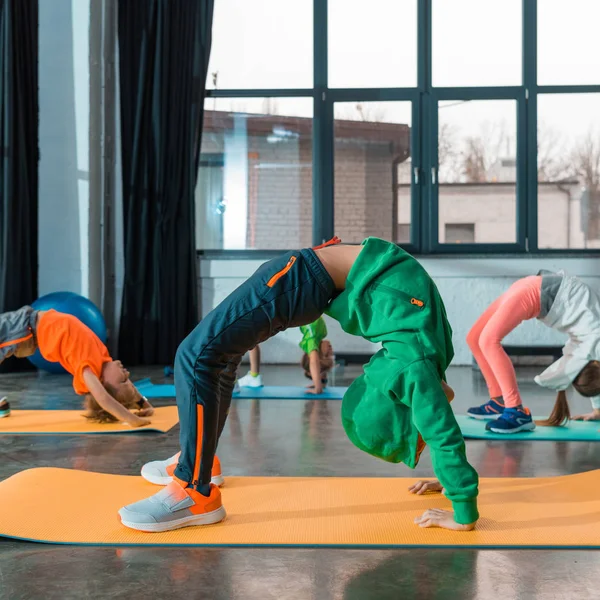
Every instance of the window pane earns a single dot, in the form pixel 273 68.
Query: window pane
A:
pixel 568 42
pixel 372 44
pixel 372 170
pixel 568 171
pixel 477 171
pixel 254 185
pixel 476 43
pixel 460 233
pixel 261 44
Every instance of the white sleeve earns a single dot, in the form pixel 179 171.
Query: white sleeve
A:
pixel 560 374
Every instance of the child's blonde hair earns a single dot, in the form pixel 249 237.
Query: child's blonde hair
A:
pixel 128 397
pixel 587 383
pixel 326 364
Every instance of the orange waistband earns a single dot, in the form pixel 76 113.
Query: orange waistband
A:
pixel 332 242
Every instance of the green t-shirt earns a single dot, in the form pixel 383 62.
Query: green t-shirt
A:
pixel 313 335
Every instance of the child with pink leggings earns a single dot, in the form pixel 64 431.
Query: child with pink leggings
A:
pixel 561 302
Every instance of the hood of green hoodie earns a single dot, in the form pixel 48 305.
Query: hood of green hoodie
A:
pixel 390 298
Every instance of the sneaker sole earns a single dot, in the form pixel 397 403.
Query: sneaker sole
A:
pixel 4 414
pixel 218 480
pixel 484 417
pixel 216 516
pixel 526 427
pixel 255 387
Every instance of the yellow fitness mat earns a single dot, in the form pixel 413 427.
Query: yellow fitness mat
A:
pixel 73 422
pixel 78 507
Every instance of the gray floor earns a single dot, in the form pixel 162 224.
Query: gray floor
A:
pixel 290 438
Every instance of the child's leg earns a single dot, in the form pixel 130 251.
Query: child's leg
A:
pixel 208 358
pixel 227 383
pixel 204 386
pixel 473 341
pixel 520 303
pixel 255 360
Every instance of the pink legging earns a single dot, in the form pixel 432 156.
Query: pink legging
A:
pixel 520 303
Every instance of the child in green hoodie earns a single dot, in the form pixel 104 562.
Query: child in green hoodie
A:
pixel 399 404
pixel 317 358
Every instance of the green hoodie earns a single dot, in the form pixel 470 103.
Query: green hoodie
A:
pixel 398 405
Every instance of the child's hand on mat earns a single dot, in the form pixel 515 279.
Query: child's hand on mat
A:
pixel 436 517
pixel 145 412
pixel 592 416
pixel 425 486
pixel 314 389
pixel 138 421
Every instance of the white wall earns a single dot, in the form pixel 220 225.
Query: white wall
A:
pixel 468 286
pixel 64 133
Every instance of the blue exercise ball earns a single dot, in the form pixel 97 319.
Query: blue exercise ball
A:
pixel 73 304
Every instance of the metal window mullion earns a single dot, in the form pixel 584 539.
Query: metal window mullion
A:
pixel 323 208
pixel 530 83
pixel 426 216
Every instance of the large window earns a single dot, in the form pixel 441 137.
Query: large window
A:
pixel 567 35
pixel 445 126
pixel 261 44
pixel 477 169
pixel 372 155
pixel 568 171
pixel 372 45
pixel 254 187
pixel 476 42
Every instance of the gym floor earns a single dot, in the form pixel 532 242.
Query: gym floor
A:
pixel 287 438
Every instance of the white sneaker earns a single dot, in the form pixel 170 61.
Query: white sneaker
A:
pixel 173 508
pixel 236 387
pixel 251 381
pixel 160 472
pixel 4 408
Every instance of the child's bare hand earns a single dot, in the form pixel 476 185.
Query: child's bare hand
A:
pixel 425 486
pixel 592 416
pixel 436 517
pixel 139 422
pixel 145 412
pixel 315 390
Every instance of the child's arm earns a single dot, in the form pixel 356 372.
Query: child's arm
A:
pixel 315 373
pixel 108 403
pixel 437 425
pixel 561 373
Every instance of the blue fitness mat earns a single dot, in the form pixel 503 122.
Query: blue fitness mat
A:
pixel 267 392
pixel 575 431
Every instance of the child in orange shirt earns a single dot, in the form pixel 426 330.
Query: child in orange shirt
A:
pixel 109 393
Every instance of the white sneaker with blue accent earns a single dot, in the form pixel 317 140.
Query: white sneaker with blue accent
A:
pixel 173 508
pixel 251 381
pixel 4 408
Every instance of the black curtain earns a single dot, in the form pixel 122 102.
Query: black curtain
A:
pixel 164 46
pixel 19 156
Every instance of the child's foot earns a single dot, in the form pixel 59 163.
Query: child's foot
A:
pixel 4 408
pixel 490 410
pixel 160 472
pixel 512 420
pixel 172 508
pixel 249 380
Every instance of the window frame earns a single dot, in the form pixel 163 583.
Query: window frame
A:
pixel 424 98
